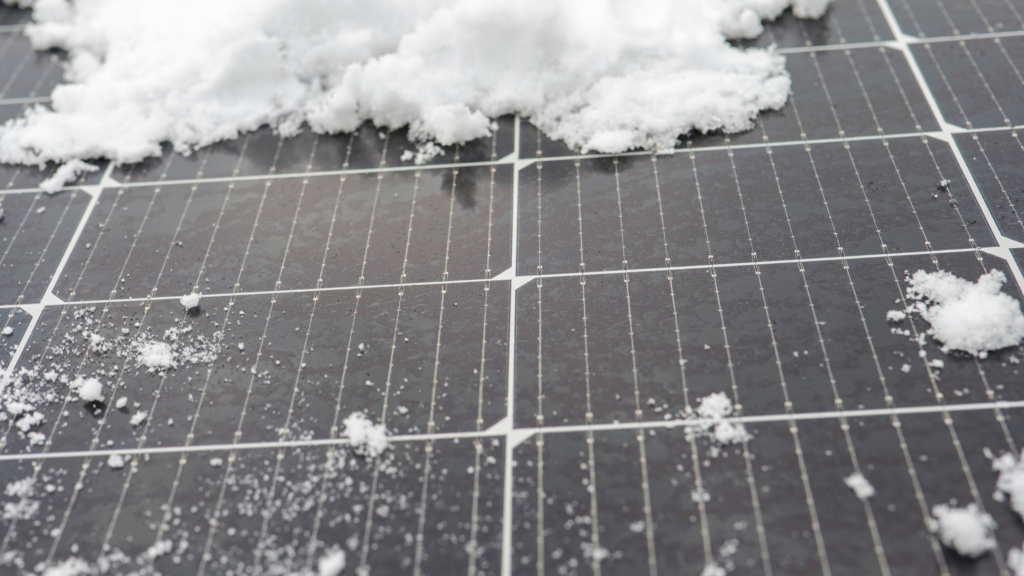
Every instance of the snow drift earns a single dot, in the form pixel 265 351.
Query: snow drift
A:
pixel 602 75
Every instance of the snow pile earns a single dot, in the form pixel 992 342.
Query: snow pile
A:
pixel 967 530
pixel 972 317
pixel 1011 480
pixel 115 461
pixel 88 389
pixel 711 422
pixel 367 438
pixel 190 301
pixel 601 75
pixel 332 563
pixel 860 485
pixel 66 173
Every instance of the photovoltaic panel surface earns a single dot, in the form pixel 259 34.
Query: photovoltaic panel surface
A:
pixel 535 327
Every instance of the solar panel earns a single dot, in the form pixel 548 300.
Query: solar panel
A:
pixel 535 327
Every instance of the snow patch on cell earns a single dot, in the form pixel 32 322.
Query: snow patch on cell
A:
pixel 365 437
pixel 967 530
pixel 88 389
pixel 973 317
pixel 191 300
pixel 860 485
pixel 68 172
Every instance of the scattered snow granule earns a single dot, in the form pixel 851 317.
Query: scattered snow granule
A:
pixel 115 461
pixel 972 317
pixel 905 368
pixel 121 402
pixel 36 438
pixel 967 530
pixel 331 563
pixel 364 436
pixel 241 346
pixel 190 301
pixel 89 389
pixel 637 527
pixel 138 418
pixel 7 331
pixel 156 356
pixel 895 315
pixel 66 173
pixel 216 462
pixel 860 485
pixel 158 549
pixel 23 488
pixel 70 567
pixel 41 209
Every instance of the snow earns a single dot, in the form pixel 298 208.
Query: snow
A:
pixel 972 317
pixel 156 356
pixel 138 418
pixel 115 461
pixel 158 549
pixel 712 412
pixel 7 331
pixel 190 301
pixel 331 563
pixel 605 76
pixel 1015 561
pixel 1011 480
pixel 121 402
pixel 88 389
pixel 967 530
pixel 713 569
pixel 860 485
pixel 23 488
pixel 66 173
pixel 364 436
pixel 895 315
pixel 69 567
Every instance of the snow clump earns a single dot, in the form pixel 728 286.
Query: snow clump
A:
pixel 66 173
pixel 1011 480
pixel 88 389
pixel 364 436
pixel 973 317
pixel 600 75
pixel 191 300
pixel 1015 561
pixel 712 413
pixel 967 530
pixel 860 485
pixel 331 563
pixel 155 356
